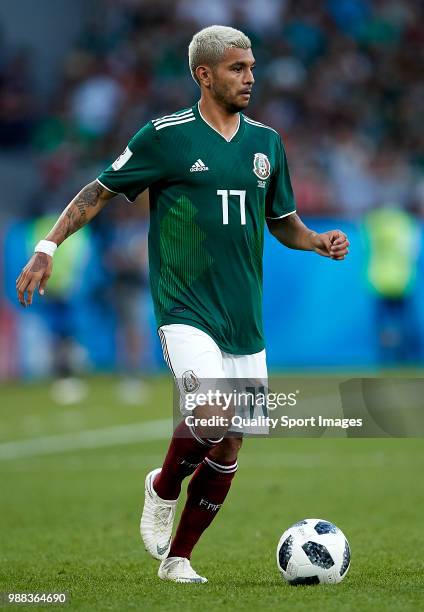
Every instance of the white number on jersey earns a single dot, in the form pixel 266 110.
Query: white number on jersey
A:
pixel 224 196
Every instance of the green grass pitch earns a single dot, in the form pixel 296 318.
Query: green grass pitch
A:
pixel 70 507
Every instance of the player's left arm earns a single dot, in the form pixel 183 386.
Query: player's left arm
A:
pixel 293 233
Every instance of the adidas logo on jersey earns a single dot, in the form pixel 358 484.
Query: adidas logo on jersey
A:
pixel 198 166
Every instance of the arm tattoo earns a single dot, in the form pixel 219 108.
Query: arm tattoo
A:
pixel 88 198
pixel 78 213
pixel 40 263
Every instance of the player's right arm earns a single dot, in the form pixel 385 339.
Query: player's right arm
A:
pixel 84 207
pixel 138 167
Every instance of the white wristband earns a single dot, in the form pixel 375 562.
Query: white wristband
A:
pixel 45 246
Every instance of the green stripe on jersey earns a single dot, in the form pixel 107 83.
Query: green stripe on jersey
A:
pixel 182 252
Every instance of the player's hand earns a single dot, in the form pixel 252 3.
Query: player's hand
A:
pixel 35 274
pixel 333 244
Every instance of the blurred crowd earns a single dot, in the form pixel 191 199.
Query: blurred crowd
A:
pixel 341 80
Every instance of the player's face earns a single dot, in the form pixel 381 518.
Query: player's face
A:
pixel 232 79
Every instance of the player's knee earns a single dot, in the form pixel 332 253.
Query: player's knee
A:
pixel 227 450
pixel 211 421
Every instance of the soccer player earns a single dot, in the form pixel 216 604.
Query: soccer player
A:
pixel 215 177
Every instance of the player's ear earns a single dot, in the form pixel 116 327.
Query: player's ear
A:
pixel 204 74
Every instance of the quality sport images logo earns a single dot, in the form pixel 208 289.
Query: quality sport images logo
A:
pixel 261 166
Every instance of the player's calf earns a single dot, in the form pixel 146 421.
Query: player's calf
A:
pixel 228 450
pixel 206 493
pixel 186 451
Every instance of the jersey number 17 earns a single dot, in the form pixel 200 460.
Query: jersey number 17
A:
pixel 224 193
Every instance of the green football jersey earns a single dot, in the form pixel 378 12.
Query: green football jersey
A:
pixel 209 197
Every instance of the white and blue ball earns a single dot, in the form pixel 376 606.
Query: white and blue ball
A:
pixel 313 551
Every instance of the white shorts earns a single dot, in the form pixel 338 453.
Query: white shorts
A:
pixel 199 365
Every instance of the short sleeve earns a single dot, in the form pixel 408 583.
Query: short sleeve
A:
pixel 138 167
pixel 280 200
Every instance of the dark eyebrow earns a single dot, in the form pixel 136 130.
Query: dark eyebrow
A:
pixel 235 64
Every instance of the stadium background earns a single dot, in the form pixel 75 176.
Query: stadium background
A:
pixel 342 80
pixel 339 80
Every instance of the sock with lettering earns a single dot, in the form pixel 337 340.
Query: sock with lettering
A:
pixel 206 493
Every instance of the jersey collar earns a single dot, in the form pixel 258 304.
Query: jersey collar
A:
pixel 237 134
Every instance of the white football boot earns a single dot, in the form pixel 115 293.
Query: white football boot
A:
pixel 178 569
pixel 157 520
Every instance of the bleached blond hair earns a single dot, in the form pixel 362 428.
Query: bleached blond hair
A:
pixel 209 45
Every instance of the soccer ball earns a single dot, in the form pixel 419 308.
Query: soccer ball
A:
pixel 313 551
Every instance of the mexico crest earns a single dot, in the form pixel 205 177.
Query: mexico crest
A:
pixel 190 381
pixel 261 166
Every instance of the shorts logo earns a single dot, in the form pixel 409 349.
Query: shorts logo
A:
pixel 190 381
pixel 261 166
pixel 122 159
